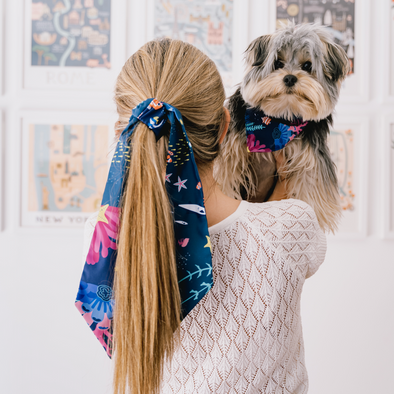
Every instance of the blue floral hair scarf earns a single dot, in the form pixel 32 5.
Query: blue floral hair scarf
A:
pixel 267 134
pixel 95 298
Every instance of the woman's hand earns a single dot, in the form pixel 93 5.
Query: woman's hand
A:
pixel 280 192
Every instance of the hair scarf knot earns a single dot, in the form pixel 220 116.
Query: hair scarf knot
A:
pixel 95 298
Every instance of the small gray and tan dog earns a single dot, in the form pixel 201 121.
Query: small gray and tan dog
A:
pixel 295 72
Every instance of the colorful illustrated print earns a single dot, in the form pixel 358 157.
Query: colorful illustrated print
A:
pixel 105 234
pixel 337 15
pixel 96 304
pixel 67 167
pixel 264 134
pixel 71 33
pixel 95 299
pixel 205 24
pixel 341 145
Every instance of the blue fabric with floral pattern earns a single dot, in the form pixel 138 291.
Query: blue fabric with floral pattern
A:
pixel 95 298
pixel 266 134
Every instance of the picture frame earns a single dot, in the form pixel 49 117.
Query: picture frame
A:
pixel 356 88
pixel 387 26
pixel 2 178
pixel 68 49
pixel 64 167
pixel 2 13
pixel 387 212
pixel 348 143
pixel 239 33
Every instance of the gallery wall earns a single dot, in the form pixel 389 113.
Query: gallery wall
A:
pixel 59 62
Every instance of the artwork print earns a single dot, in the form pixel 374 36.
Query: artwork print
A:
pixel 337 15
pixel 341 148
pixel 206 24
pixel 71 33
pixel 67 169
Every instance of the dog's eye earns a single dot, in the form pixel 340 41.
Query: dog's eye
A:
pixel 307 66
pixel 278 64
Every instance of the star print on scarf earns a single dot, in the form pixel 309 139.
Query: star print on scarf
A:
pixel 266 134
pixel 95 298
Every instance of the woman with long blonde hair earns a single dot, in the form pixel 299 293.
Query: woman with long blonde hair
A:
pixel 240 330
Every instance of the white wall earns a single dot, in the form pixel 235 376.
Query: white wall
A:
pixel 47 348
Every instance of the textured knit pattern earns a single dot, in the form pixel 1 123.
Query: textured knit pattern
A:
pixel 245 335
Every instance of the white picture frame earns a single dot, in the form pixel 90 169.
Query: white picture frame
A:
pixel 387 212
pixel 353 189
pixel 2 178
pixel 387 31
pixel 356 88
pixel 44 212
pixel 2 13
pixel 69 77
pixel 240 36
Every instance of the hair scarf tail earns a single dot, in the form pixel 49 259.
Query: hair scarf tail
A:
pixel 95 298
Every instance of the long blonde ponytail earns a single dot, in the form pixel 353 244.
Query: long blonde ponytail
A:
pixel 147 294
pixel 147 299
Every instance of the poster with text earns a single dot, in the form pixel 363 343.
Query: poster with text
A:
pixel 71 33
pixel 337 15
pixel 65 171
pixel 207 24
pixel 73 44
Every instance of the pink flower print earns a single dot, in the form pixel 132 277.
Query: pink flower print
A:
pixel 105 338
pixel 254 146
pixel 183 242
pixel 296 130
pixel 105 234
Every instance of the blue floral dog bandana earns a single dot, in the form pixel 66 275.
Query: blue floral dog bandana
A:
pixel 95 299
pixel 265 134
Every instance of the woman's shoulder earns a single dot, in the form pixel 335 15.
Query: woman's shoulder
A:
pixel 287 230
pixel 285 209
pixel 286 214
pixel 290 227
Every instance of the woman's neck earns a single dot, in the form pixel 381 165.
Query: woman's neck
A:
pixel 218 206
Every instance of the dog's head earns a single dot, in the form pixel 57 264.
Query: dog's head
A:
pixel 297 71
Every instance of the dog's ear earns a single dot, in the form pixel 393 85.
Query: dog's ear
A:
pixel 337 65
pixel 337 62
pixel 257 51
pixel 237 108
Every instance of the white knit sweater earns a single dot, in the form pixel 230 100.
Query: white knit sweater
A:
pixel 245 335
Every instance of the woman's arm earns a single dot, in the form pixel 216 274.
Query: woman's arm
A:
pixel 280 191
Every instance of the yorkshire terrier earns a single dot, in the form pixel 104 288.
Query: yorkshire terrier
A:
pixel 293 73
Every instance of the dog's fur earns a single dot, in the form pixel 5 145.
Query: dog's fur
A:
pixel 308 169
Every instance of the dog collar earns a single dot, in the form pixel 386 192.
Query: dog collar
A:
pixel 267 134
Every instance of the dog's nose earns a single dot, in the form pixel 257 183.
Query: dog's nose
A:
pixel 290 80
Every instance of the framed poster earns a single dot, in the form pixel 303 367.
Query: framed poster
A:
pixel 347 141
pixel 65 161
pixel 349 23
pixel 388 178
pixel 215 27
pixel 73 43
